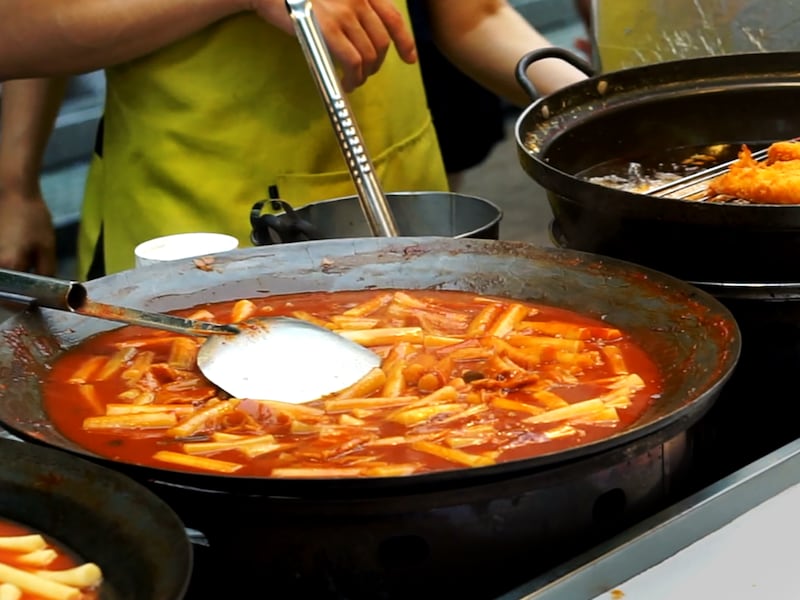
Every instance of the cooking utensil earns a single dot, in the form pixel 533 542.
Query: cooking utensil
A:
pixel 444 214
pixel 653 112
pixel 373 202
pixel 686 330
pixel 358 538
pixel 135 538
pixel 264 358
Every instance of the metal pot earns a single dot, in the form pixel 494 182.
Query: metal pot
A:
pixel 136 539
pixel 443 214
pixel 646 112
pixel 410 535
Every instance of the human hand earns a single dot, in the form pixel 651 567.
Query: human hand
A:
pixel 27 237
pixel 358 33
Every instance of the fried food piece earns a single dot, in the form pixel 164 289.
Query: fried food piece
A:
pixel 775 181
pixel 783 151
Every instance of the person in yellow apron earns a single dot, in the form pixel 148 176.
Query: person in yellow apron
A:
pixel 196 132
pixel 178 152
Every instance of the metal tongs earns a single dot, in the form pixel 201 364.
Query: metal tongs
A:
pixel 372 199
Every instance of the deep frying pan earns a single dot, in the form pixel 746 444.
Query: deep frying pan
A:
pixel 691 335
pixel 651 111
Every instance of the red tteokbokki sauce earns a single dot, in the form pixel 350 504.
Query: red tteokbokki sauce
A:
pixel 465 380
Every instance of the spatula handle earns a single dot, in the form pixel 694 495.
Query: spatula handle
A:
pixel 72 296
pixel 23 287
pixel 373 202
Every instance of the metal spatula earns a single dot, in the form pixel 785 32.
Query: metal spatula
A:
pixel 264 358
pixel 371 197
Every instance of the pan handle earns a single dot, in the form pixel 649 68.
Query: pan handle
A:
pixel 288 226
pixel 61 294
pixel 542 53
pixel 72 296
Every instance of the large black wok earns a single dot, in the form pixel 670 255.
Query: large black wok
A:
pixel 374 536
pixel 650 111
pixel 136 539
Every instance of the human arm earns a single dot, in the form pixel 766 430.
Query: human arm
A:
pixel 584 10
pixel 27 237
pixel 45 37
pixel 486 39
pixel 48 37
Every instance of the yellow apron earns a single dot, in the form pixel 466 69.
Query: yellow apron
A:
pixel 196 133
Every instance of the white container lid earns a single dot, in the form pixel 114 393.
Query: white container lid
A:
pixel 183 245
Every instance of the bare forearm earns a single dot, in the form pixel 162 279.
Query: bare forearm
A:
pixel 47 37
pixel 27 238
pixel 55 37
pixel 486 40
pixel 30 107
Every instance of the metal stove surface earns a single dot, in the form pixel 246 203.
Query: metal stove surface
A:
pixel 737 539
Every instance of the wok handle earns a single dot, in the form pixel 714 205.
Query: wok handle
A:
pixel 72 296
pixel 542 53
pixel 373 202
pixel 46 291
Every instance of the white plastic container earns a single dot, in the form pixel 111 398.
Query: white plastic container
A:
pixel 183 245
